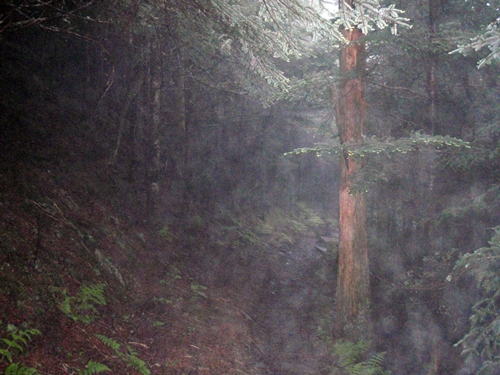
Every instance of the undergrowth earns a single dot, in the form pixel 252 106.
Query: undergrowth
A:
pixel 354 358
pixel 130 356
pixel 277 227
pixel 82 307
pixel 482 339
pixel 13 344
pixel 17 369
pixel 351 357
pixel 93 368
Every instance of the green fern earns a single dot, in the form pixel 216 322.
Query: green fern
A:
pixel 282 227
pixel 198 290
pixel 93 368
pixel 109 342
pixel 82 307
pixel 15 341
pixel 17 369
pixel 93 294
pixel 130 358
pixel 353 359
pixel 372 366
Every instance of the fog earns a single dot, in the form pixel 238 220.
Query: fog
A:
pixel 225 151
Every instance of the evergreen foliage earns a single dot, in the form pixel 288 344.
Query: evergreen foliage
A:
pixel 54 16
pixel 489 38
pixel 368 14
pixel 255 36
pixel 375 171
pixel 480 205
pixel 483 338
pixel 387 146
pixel 483 151
pixel 229 48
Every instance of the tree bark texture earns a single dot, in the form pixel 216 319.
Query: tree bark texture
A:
pixel 353 286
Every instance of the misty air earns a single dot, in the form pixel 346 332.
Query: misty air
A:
pixel 259 187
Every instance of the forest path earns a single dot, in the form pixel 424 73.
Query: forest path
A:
pixel 295 300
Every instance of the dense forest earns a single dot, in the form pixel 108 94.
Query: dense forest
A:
pixel 285 187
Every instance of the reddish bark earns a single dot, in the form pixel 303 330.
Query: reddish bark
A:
pixel 353 287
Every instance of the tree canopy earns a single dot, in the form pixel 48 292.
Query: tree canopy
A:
pixel 215 131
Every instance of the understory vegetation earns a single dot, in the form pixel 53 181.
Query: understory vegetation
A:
pixel 170 175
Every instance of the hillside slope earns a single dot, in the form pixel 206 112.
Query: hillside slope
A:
pixel 73 269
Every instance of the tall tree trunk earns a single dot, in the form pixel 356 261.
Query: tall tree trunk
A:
pixel 429 155
pixel 353 286
pixel 153 147
pixel 156 87
pixel 182 124
pixel 132 94
pixel 432 65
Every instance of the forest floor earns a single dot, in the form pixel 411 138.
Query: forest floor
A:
pixel 298 298
pixel 107 293
pixel 103 291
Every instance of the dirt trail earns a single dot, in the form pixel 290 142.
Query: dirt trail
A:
pixel 293 303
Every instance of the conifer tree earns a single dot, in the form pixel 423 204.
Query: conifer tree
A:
pixel 353 286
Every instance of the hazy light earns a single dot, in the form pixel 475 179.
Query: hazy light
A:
pixel 327 8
